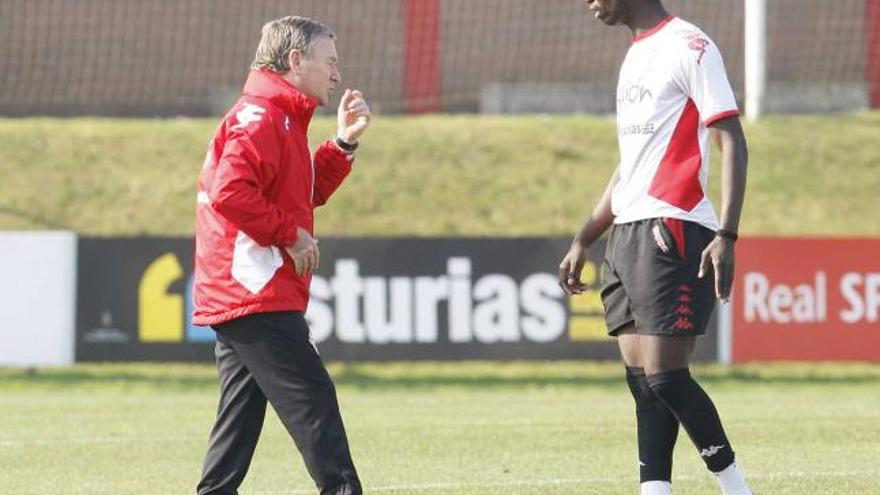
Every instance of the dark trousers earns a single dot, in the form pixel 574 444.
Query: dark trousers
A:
pixel 269 356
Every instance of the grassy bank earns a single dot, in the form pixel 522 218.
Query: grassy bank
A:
pixel 435 175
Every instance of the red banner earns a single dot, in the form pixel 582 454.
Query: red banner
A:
pixel 421 62
pixel 807 299
pixel 872 51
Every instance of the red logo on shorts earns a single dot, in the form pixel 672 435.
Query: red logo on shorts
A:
pixel 683 324
pixel 684 312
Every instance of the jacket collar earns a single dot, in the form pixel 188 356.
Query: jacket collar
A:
pixel 271 86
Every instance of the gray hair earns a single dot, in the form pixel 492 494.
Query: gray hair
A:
pixel 282 36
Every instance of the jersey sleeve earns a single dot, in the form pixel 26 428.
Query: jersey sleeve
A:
pixel 332 165
pixel 703 78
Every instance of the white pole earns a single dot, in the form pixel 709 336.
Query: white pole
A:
pixel 756 57
pixel 725 333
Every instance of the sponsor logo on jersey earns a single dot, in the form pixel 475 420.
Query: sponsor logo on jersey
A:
pixel 249 114
pixel 645 129
pixel 633 94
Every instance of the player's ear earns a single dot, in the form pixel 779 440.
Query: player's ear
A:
pixel 294 60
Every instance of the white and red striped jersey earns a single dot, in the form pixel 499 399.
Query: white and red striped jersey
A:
pixel 672 86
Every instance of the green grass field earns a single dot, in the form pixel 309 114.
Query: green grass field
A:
pixel 474 428
pixel 453 428
pixel 435 175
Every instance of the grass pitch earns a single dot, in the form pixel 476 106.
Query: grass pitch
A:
pixel 453 428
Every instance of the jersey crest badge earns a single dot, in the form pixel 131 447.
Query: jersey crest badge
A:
pixel 249 114
pixel 698 44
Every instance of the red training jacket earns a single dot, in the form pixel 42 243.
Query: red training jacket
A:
pixel 257 185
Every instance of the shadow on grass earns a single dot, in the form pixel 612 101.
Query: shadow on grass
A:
pixel 357 377
pixel 36 220
pixel 101 378
pixel 481 376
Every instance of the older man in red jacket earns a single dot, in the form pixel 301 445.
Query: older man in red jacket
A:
pixel 255 253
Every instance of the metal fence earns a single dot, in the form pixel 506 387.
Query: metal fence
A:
pixel 190 57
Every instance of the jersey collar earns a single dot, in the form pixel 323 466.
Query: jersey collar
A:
pixel 270 85
pixel 660 25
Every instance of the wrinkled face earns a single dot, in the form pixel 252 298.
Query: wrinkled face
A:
pixel 611 12
pixel 316 74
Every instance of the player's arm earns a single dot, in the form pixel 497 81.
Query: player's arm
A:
pixel 236 188
pixel 332 166
pixel 597 223
pixel 729 138
pixel 333 159
pixel 731 142
pixel 236 192
pixel 702 77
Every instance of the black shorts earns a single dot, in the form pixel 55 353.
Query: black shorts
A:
pixel 650 278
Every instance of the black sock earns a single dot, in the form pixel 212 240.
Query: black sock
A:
pixel 697 414
pixel 657 429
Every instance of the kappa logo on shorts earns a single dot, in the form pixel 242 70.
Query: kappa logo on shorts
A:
pixel 684 312
pixel 658 238
pixel 683 324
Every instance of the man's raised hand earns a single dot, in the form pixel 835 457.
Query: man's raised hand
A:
pixel 353 116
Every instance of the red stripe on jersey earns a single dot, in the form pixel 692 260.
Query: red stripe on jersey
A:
pixel 677 180
pixel 676 227
pixel 720 116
